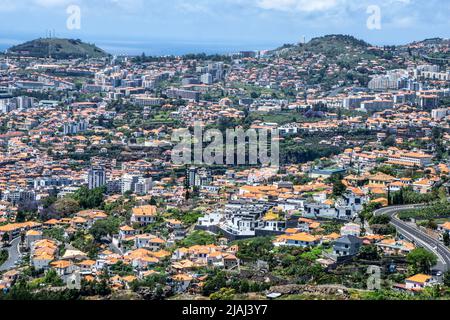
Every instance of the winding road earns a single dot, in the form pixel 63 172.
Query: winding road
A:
pixel 14 255
pixel 419 237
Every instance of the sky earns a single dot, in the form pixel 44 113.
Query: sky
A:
pixel 182 26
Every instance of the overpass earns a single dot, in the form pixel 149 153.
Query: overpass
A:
pixel 416 235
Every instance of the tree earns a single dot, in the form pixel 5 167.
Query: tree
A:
pixel 369 253
pixel 3 256
pixel 447 279
pixel 383 229
pixel 55 233
pixel 421 260
pixel 103 228
pixel 89 199
pixel 223 294
pixel 446 239
pixel 21 216
pixel 383 219
pixel 5 237
pixel 338 186
pixel 152 282
pixel 245 286
pixel 122 269
pixel 51 278
pixel 66 206
pixel 198 237
pixel 214 283
pixel 256 248
pixel 389 142
pixel 48 202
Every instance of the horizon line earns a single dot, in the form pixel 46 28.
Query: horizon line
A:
pixel 104 44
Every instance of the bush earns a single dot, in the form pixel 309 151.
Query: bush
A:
pixel 54 233
pixel 421 260
pixel 103 228
pixel 383 219
pixel 214 282
pixel 89 199
pixel 439 210
pixel 408 196
pixel 254 249
pixel 369 253
pixel 51 278
pixel 198 238
pixel 383 229
pixel 223 294
pixel 3 256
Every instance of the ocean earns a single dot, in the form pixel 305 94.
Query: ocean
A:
pixel 163 48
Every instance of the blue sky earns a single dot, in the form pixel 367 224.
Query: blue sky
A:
pixel 213 25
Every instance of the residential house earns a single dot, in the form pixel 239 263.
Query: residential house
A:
pixel 32 236
pixel 347 246
pixel 301 239
pixel 143 215
pixel 418 282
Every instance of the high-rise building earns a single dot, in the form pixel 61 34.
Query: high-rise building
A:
pixel 129 182
pixel 429 101
pixel 388 81
pixel 439 114
pixel 96 177
pixel 206 78
pixel 183 94
pixel 24 102
pixel 75 127
pixel 143 186
pixel 377 105
pixel 197 177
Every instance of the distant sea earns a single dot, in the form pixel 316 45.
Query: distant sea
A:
pixel 163 48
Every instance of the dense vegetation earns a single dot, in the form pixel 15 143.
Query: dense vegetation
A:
pixel 438 210
pixel 293 152
pixel 3 256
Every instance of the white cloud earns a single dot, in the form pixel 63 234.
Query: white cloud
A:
pixel 53 3
pixel 8 5
pixel 298 5
pixel 129 5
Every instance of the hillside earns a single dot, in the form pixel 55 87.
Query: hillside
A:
pixel 345 51
pixel 58 49
pixel 330 46
pixel 338 60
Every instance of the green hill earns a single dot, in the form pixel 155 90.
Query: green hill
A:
pixel 330 46
pixel 58 49
pixel 338 59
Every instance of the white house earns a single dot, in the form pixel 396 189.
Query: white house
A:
pixel 418 282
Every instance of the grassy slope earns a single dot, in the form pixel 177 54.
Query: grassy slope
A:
pixel 59 48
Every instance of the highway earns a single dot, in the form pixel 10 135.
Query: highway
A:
pixel 419 237
pixel 14 255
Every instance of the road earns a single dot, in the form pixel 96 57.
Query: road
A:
pixel 419 237
pixel 14 255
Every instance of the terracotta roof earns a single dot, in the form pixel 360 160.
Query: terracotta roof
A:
pixel 419 278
